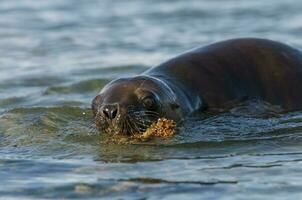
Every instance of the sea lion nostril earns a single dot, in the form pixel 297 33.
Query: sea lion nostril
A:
pixel 106 113
pixel 110 111
pixel 113 113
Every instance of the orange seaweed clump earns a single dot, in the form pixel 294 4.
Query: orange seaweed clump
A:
pixel 161 128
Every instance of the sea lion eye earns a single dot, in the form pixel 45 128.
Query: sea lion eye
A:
pixel 149 102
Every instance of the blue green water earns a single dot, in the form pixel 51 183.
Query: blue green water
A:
pixel 56 55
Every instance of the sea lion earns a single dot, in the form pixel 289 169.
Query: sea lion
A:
pixel 205 78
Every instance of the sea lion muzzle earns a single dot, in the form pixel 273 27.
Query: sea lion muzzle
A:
pixel 109 111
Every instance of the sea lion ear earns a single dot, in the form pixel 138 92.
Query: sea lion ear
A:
pixel 95 103
pixel 174 105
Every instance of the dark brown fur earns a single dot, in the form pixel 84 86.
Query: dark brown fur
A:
pixel 239 69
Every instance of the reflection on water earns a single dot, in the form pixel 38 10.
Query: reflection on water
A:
pixel 56 55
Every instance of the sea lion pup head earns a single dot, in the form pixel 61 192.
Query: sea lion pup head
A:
pixel 131 105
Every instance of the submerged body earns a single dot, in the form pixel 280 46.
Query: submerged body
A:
pixel 211 77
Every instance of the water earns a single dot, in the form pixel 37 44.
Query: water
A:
pixel 56 55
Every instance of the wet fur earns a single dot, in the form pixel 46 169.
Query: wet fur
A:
pixel 208 78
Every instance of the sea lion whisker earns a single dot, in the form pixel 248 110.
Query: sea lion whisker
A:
pixel 91 126
pixel 146 115
pixel 130 128
pixel 92 130
pixel 150 111
pixel 141 124
pixel 145 111
pixel 123 126
pixel 136 127
pixel 146 122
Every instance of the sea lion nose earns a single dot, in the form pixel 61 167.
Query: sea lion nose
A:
pixel 110 111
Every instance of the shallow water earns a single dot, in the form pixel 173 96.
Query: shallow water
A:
pixel 56 55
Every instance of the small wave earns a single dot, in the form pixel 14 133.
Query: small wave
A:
pixel 118 70
pixel 32 81
pixel 47 130
pixel 81 87
pixel 12 100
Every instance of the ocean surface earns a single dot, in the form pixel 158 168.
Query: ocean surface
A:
pixel 56 55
